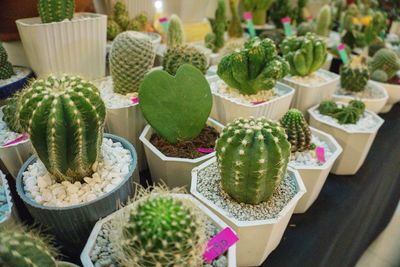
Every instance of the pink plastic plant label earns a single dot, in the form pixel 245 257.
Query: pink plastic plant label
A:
pixel 135 100
pixel 285 20
pixel 16 140
pixel 220 243
pixel 257 102
pixel 205 150
pixel 286 26
pixel 247 15
pixel 164 23
pixel 163 20
pixel 320 152
pixel 342 53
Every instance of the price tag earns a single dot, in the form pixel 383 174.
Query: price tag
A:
pixel 205 150
pixel 320 152
pixel 16 140
pixel 135 100
pixel 248 17
pixel 220 243
pixel 342 53
pixel 287 26
pixel 164 23
pixel 257 102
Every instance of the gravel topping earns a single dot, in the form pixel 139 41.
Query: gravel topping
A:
pixel 315 79
pixel 371 92
pixel 113 100
pixel 308 158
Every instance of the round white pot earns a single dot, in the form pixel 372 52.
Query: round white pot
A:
pixel 10 216
pixel 85 256
pixel 175 172
pixel 314 177
pixel 372 104
pixel 393 91
pixel 257 239
pixel 74 47
pixel 355 144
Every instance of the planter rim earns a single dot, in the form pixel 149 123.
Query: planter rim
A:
pixel 33 158
pixel 328 139
pixel 301 190
pixel 29 73
pixel 159 154
pixel 372 84
pixel 8 197
pixel 387 84
pixel 379 121
pixel 36 21
pixel 334 76
pixel 15 144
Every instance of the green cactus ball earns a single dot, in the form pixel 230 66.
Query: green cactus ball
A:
pixel 177 56
pixel 354 78
pixel 297 130
pixel 56 10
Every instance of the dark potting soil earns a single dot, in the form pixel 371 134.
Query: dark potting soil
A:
pixel 186 149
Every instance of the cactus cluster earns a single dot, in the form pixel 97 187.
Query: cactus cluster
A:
pixel 305 54
pixel 354 78
pixel 6 68
pixel 297 130
pixel 349 114
pixel 253 68
pixel 384 65
pixel 131 57
pixel 252 157
pixel 175 36
pixel 64 118
pixel 55 10
pixel 259 9
pixel 215 40
pixel 177 56
pixel 235 29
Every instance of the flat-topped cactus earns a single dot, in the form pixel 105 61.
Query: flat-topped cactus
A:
pixel 297 130
pixel 175 36
pixel 252 157
pixel 354 78
pixel 385 61
pixel 56 10
pixel 177 56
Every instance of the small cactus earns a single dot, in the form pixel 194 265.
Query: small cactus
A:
pixel 354 78
pixel 304 28
pixel 324 21
pixel 10 111
pixel 347 115
pixel 177 56
pixel 113 29
pixel 175 36
pixel 297 130
pixel 328 107
pixel 121 15
pixel 252 156
pixel 359 105
pixel 235 29
pixel 385 61
pixel 6 68
pixel 55 10
pixel 215 40
pixel 259 10
pixel 138 23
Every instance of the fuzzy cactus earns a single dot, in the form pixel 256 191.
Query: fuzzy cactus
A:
pixel 385 61
pixel 177 56
pixel 175 36
pixel 305 54
pixel 235 29
pixel 324 21
pixel 252 156
pixel 10 111
pixel 297 130
pixel 6 68
pixel 65 120
pixel 357 104
pixel 121 15
pixel 55 10
pixel 113 29
pixel 328 107
pixel 259 10
pixel 131 57
pixel 253 68
pixel 354 78
pixel 347 115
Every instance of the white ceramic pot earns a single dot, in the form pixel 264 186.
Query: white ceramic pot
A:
pixel 175 172
pixel 355 143
pixel 74 47
pixel 257 239
pixel 314 177
pixel 226 110
pixel 393 91
pixel 85 255
pixel 372 104
pixel 308 95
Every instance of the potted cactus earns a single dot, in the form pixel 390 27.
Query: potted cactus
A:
pixel 77 175
pixel 58 26
pixel 306 142
pixel 384 68
pixel 259 9
pixel 352 126
pixel 8 216
pixel 355 84
pixel 177 228
pixel 247 85
pixel 180 134
pixel 249 186
pixel 306 56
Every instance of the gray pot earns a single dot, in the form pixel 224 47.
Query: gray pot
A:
pixel 72 225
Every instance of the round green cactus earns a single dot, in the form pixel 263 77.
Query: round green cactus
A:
pixel 113 29
pixel 253 68
pixel 6 68
pixel 347 115
pixel 138 23
pixel 359 105
pixel 297 130
pixel 259 10
pixel 387 61
pixel 56 10
pixel 354 78
pixel 328 107
pixel 65 120
pixel 177 56
pixel 175 36
pixel 304 28
pixel 252 156
pixel 380 76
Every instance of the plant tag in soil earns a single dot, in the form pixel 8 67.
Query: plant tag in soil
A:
pixel 342 53
pixel 257 102
pixel 164 23
pixel 135 100
pixel 320 152
pixel 286 26
pixel 248 17
pixel 205 150
pixel 220 243
pixel 16 140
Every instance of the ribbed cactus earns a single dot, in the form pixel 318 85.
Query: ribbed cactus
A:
pixel 253 68
pixel 324 21
pixel 305 54
pixel 385 61
pixel 65 120
pixel 215 40
pixel 10 113
pixel 121 15
pixel 328 107
pixel 175 36
pixel 177 56
pixel 131 57
pixel 6 68
pixel 235 29
pixel 252 157
pixel 354 78
pixel 304 28
pixel 259 10
pixel 357 104
pixel 347 115
pixel 55 10
pixel 297 130
pixel 113 29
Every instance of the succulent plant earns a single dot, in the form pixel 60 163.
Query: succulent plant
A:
pixel 328 107
pixel 131 57
pixel 65 120
pixel 357 104
pixel 347 115
pixel 177 56
pixel 375 46
pixel 6 68
pixel 113 29
pixel 10 111
pixel 281 9
pixel 354 78
pixel 235 29
pixel 384 65
pixel 121 15
pixel 304 28
pixel 297 130
pixel 324 21
pixel 252 157
pixel 215 40
pixel 138 23
pixel 305 54
pixel 259 10
pixel 253 68
pixel 55 10
pixel 175 36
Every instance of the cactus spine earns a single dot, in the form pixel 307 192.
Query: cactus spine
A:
pixel 385 61
pixel 297 130
pixel 259 10
pixel 235 29
pixel 131 57
pixel 177 56
pixel 252 157
pixel 324 21
pixel 6 68
pixel 64 119
pixel 55 10
pixel 175 35
pixel 215 40
pixel 354 78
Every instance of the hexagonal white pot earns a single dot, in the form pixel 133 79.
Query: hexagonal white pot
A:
pixel 355 144
pixel 314 177
pixel 257 239
pixel 372 104
pixel 85 255
pixel 393 91
pixel 175 172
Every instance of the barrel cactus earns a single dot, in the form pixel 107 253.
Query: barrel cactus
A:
pixel 253 68
pixel 354 78
pixel 235 29
pixel 259 9
pixel 215 40
pixel 175 35
pixel 64 118
pixel 297 130
pixel 252 157
pixel 55 10
pixel 347 115
pixel 6 68
pixel 177 56
pixel 305 54
pixel 385 61
pixel 131 57
pixel 328 107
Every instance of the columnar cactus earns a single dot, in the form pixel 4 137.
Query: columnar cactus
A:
pixel 253 68
pixel 384 65
pixel 324 21
pixel 259 10
pixel 65 120
pixel 55 10
pixel 297 130
pixel 113 29
pixel 305 54
pixel 6 68
pixel 354 78
pixel 252 156
pixel 328 107
pixel 175 36
pixel 121 15
pixel 131 57
pixel 177 56
pixel 235 29
pixel 215 40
